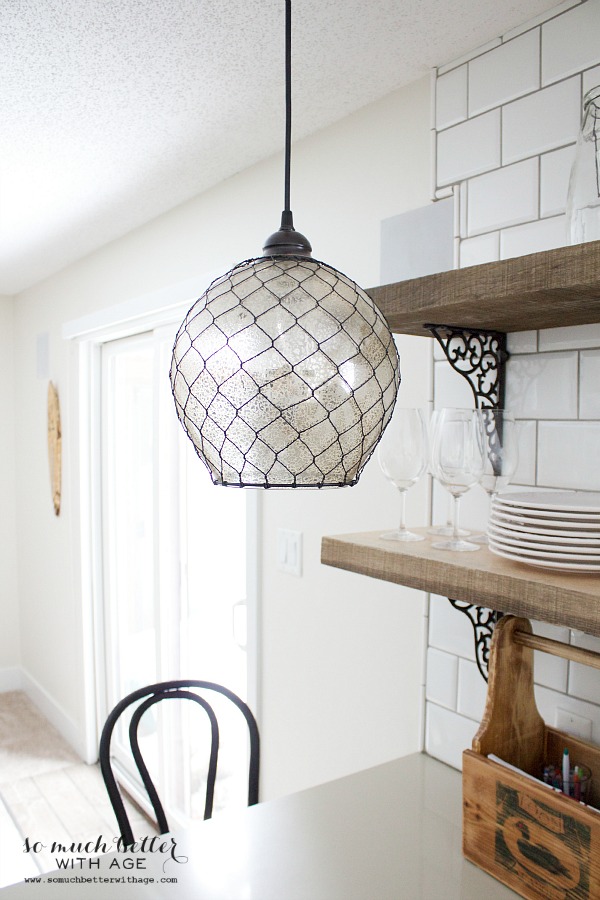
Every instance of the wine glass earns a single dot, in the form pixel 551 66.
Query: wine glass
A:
pixel 500 453
pixel 402 456
pixel 457 462
pixel 442 530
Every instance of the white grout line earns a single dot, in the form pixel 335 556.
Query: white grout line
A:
pixel 432 98
pixel 478 51
pixel 541 19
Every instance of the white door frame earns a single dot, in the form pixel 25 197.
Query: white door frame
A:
pixel 88 334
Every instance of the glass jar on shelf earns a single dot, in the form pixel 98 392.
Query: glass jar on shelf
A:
pixel 583 197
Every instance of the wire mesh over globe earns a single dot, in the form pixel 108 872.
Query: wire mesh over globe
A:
pixel 284 374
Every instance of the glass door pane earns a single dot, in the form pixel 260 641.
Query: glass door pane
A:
pixel 174 549
pixel 128 521
pixel 212 640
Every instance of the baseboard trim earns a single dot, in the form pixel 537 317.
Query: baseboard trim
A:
pixel 55 714
pixel 10 679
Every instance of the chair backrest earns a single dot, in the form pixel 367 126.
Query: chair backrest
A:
pixel 147 697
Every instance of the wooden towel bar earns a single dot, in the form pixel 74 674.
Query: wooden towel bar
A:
pixel 557 648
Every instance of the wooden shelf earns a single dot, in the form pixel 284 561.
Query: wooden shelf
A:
pixel 542 290
pixel 480 578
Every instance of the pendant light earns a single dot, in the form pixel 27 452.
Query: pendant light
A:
pixel 284 372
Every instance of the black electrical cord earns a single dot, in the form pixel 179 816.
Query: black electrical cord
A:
pixel 287 241
pixel 288 102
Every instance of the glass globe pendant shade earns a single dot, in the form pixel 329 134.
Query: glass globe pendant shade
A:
pixel 284 374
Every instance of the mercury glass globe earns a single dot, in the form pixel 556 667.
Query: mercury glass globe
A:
pixel 284 374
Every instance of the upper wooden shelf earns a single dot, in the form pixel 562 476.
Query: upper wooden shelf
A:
pixel 542 290
pixel 480 578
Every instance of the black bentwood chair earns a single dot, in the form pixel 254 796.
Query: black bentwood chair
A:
pixel 154 693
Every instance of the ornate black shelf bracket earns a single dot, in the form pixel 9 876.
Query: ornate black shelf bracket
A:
pixel 480 357
pixel 483 621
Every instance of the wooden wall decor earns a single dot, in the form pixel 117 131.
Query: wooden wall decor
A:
pixel 54 446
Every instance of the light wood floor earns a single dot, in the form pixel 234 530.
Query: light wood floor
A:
pixel 55 798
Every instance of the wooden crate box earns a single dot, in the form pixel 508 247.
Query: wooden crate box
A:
pixel 531 837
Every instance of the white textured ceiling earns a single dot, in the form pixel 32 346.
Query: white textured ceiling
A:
pixel 114 111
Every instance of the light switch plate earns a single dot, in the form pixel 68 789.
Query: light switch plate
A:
pixel 289 551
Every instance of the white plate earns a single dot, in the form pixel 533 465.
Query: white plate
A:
pixel 538 553
pixel 548 537
pixel 532 523
pixel 567 501
pixel 547 564
pixel 556 551
pixel 549 515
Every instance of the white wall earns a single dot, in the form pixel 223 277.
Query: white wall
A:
pixel 342 655
pixel 9 611
pixel 507 120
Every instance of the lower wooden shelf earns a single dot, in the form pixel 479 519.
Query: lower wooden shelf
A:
pixel 480 578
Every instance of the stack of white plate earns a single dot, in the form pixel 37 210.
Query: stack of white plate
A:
pixel 551 529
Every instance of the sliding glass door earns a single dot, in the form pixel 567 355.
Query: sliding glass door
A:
pixel 175 570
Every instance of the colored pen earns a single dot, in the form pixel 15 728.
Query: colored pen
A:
pixel 566 768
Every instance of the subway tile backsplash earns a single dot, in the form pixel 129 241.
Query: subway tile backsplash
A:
pixel 589 396
pixel 541 19
pixel 469 148
pixel 503 197
pixel 477 250
pixel 541 121
pixel 584 682
pixel 451 388
pixel 591 79
pixel 505 73
pixel 544 234
pixel 442 677
pixel 522 342
pixel 548 701
pixel 568 455
pixel 571 337
pixel 543 386
pixel 518 99
pixel 551 671
pixel 451 98
pixel 570 42
pixel 447 734
pixel 526 468
pixel 449 630
pixel 471 690
pixel 554 180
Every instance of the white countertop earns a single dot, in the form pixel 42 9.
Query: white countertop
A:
pixel 393 832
